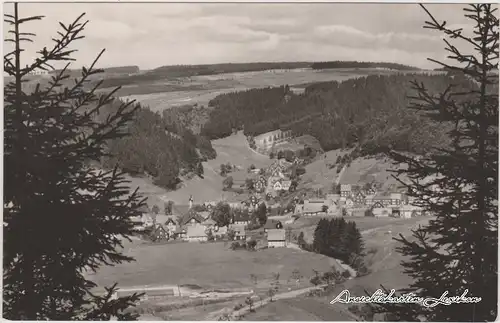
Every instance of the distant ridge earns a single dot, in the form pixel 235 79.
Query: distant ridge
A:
pixel 356 64
pixel 130 69
pixel 211 69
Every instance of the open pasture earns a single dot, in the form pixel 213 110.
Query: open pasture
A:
pixel 165 100
pixel 208 265
pixel 164 94
pixel 232 149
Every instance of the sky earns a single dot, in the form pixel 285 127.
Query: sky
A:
pixel 150 35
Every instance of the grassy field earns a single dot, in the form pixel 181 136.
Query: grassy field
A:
pixel 362 170
pixel 299 309
pixel 163 94
pixel 208 265
pixel 382 259
pixel 233 149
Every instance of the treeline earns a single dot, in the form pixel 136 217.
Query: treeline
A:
pixel 369 112
pixel 355 64
pixel 159 147
pixel 211 69
pixel 339 239
pixel 256 111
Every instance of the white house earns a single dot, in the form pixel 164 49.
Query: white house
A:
pixel 196 233
pixel 345 190
pixel 285 185
pixel 276 238
pixel 410 211
pixel 381 212
pixel 239 231
pixel 268 139
pixel 277 186
pixel 313 207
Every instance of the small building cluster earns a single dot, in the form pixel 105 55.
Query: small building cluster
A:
pixel 353 201
pixel 187 224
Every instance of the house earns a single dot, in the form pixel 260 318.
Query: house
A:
pixel 268 139
pixel 396 198
pixel 380 210
pixel 260 185
pixel 180 233
pixel 196 233
pixel 241 218
pixel 345 190
pixel 272 224
pixel 410 211
pixel 170 224
pixel 349 202
pixel 191 218
pixel 369 200
pixel 358 197
pixel 239 231
pixel 285 185
pixel 159 233
pixel 391 199
pixel 209 204
pixel 209 223
pixel 277 186
pixel 370 191
pixel 276 238
pixel 204 214
pixel 313 207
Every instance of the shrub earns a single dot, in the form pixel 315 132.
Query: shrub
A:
pixel 235 245
pixel 346 274
pixel 251 245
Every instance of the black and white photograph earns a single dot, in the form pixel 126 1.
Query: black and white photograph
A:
pixel 250 161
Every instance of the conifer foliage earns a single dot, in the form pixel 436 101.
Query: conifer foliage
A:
pixel 458 250
pixel 339 239
pixel 61 216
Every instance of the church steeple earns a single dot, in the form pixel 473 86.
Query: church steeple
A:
pixel 191 200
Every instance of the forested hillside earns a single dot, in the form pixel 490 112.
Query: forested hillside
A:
pixel 355 64
pixel 161 148
pixel 370 112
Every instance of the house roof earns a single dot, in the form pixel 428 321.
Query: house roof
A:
pixel 276 235
pixel 209 221
pixel 237 227
pixel 159 227
pixel 345 187
pixel 359 194
pixel 313 207
pixel 240 216
pixel 196 231
pixel 169 219
pixel 192 214
pixel 180 230
pixel 204 214
pixel 377 205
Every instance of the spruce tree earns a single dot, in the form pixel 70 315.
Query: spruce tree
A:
pixel 321 237
pixel 458 249
pixel 61 216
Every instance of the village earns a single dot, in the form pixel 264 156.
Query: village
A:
pixel 272 190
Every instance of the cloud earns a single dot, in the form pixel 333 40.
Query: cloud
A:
pixel 155 34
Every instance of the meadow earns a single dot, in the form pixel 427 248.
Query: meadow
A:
pixel 233 149
pixel 167 93
pixel 208 265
